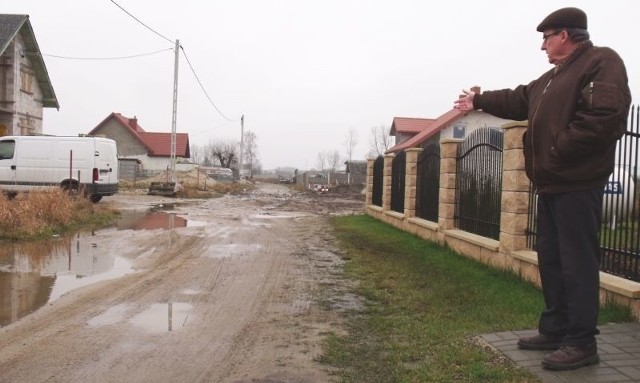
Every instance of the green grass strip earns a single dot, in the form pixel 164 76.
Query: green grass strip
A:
pixel 424 306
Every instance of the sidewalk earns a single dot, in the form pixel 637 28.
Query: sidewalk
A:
pixel 618 347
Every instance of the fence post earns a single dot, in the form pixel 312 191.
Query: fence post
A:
pixel 448 170
pixel 515 191
pixel 386 181
pixel 369 181
pixel 411 181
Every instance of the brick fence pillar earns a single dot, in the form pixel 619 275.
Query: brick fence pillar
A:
pixel 369 181
pixel 411 181
pixel 515 190
pixel 386 181
pixel 446 207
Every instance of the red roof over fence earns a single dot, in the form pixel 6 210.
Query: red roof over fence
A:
pixel 434 127
pixel 409 125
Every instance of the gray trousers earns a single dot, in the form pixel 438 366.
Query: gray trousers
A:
pixel 569 262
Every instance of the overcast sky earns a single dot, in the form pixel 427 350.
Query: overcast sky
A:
pixel 302 72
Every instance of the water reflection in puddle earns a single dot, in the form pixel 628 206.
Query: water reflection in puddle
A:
pixel 36 273
pixel 158 318
pixel 162 317
pixel 154 220
pixel 33 274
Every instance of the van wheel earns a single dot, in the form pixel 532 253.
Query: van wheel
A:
pixel 71 188
pixel 95 198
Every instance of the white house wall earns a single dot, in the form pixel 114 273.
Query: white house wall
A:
pixel 462 127
pixel 28 105
pixel 161 163
pixel 152 163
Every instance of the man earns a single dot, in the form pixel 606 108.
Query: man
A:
pixel 576 112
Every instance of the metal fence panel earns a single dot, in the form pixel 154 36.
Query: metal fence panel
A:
pixel 399 171
pixel 378 170
pixel 428 182
pixel 479 183
pixel 620 232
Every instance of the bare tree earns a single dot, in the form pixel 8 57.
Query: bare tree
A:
pixel 224 153
pixel 251 157
pixel 322 161
pixel 198 154
pixel 380 140
pixel 351 142
pixel 333 160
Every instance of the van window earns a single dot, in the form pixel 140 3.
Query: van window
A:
pixel 6 149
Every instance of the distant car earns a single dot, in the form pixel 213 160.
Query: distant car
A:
pixel 283 180
pixel 319 188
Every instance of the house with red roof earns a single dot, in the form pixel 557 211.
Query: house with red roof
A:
pixel 452 124
pixel 403 128
pixel 150 149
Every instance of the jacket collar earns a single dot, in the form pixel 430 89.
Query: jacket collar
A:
pixel 581 47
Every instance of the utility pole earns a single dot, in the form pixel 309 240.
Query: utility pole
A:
pixel 241 146
pixel 174 115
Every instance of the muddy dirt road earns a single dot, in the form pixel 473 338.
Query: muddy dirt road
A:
pixel 244 294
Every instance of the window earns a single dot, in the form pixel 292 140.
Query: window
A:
pixel 26 125
pixel 459 131
pixel 26 76
pixel 7 149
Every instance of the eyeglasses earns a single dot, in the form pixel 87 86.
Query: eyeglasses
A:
pixel 545 37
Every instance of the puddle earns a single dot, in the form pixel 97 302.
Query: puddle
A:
pixel 165 206
pixel 34 274
pixel 158 318
pixel 163 317
pixel 153 220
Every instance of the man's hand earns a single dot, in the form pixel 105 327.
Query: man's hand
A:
pixel 465 102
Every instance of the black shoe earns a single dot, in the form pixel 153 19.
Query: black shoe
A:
pixel 571 357
pixel 539 342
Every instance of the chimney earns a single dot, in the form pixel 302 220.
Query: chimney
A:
pixel 133 123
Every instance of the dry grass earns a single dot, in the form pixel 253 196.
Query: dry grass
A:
pixel 41 213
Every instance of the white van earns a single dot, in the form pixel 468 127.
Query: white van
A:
pixel 82 163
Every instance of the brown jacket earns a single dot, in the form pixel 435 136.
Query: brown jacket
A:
pixel 576 112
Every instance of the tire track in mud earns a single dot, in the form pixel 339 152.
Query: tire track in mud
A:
pixel 245 337
pixel 287 304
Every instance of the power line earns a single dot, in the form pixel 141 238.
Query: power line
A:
pixel 185 56
pixel 208 130
pixel 201 86
pixel 145 25
pixel 104 58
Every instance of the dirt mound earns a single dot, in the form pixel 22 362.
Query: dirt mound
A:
pixel 348 189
